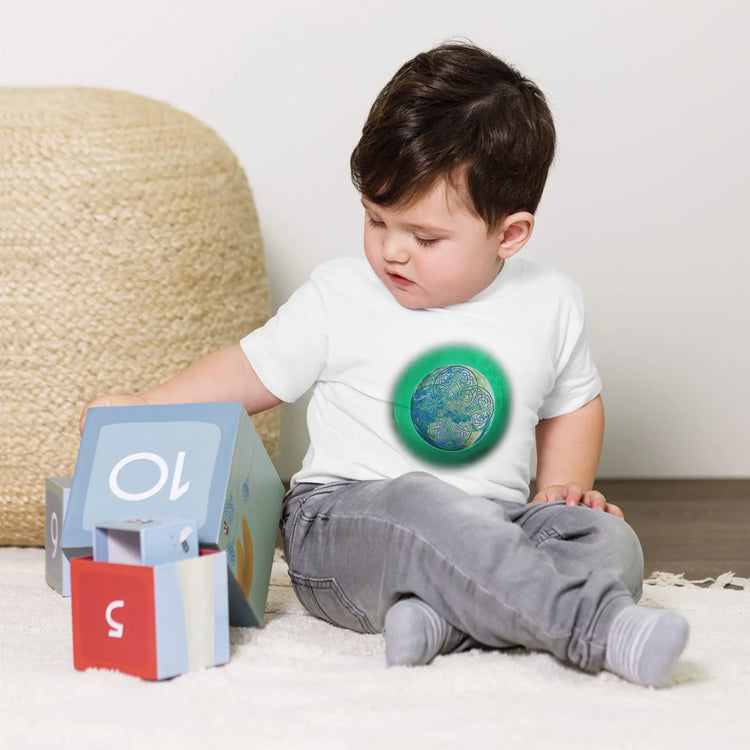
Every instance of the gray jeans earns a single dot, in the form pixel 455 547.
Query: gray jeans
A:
pixel 542 576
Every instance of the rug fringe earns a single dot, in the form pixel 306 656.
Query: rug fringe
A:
pixel 662 578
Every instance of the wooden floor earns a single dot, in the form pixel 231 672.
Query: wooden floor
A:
pixel 699 527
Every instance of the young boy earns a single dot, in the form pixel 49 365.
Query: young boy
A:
pixel 434 364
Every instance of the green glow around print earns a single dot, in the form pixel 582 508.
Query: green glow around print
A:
pixel 451 405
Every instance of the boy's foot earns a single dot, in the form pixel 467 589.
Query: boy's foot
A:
pixel 643 644
pixel 415 634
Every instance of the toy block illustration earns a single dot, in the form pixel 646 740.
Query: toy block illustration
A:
pixel 155 622
pixel 57 560
pixel 199 461
pixel 145 541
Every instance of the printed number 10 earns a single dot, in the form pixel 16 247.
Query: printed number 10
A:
pixel 176 490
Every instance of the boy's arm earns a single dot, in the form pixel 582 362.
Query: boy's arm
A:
pixel 568 450
pixel 224 375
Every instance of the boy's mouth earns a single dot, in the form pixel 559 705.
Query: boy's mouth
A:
pixel 400 281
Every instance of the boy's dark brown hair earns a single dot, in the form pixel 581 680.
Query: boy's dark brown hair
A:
pixel 457 112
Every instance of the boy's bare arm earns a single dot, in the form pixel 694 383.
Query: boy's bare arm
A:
pixel 568 450
pixel 224 375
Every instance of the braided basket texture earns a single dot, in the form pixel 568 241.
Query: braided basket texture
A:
pixel 129 247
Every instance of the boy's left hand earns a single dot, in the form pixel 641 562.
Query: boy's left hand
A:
pixel 572 494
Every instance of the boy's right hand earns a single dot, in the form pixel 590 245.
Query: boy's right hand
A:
pixel 110 399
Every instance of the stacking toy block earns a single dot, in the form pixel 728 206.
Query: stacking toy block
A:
pixel 153 622
pixel 57 559
pixel 145 542
pixel 199 461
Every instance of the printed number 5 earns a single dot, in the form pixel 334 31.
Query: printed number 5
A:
pixel 117 627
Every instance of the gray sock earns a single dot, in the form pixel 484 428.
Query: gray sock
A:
pixel 643 645
pixel 415 634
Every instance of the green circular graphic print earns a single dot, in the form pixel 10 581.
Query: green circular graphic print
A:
pixel 451 405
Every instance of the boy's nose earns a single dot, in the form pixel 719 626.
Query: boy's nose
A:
pixel 394 251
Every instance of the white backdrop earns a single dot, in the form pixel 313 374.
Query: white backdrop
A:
pixel 645 206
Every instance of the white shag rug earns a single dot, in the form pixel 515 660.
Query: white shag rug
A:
pixel 300 683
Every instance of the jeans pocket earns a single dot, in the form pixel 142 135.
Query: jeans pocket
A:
pixel 324 598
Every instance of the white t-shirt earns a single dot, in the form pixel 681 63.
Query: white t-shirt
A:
pixel 454 391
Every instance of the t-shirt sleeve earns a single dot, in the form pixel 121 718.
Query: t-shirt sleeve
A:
pixel 289 352
pixel 577 380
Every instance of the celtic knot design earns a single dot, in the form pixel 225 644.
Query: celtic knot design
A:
pixel 452 407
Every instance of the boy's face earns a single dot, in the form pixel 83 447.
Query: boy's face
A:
pixel 434 252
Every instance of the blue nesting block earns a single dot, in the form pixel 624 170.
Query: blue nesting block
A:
pixel 57 567
pixel 198 461
pixel 145 541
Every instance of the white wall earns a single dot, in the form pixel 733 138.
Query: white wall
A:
pixel 645 206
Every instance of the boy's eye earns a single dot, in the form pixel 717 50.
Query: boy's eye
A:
pixel 422 241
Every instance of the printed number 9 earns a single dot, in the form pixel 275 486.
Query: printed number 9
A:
pixel 54 529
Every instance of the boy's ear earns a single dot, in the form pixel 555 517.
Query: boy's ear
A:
pixel 514 233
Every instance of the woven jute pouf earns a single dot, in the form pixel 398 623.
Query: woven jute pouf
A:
pixel 129 247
